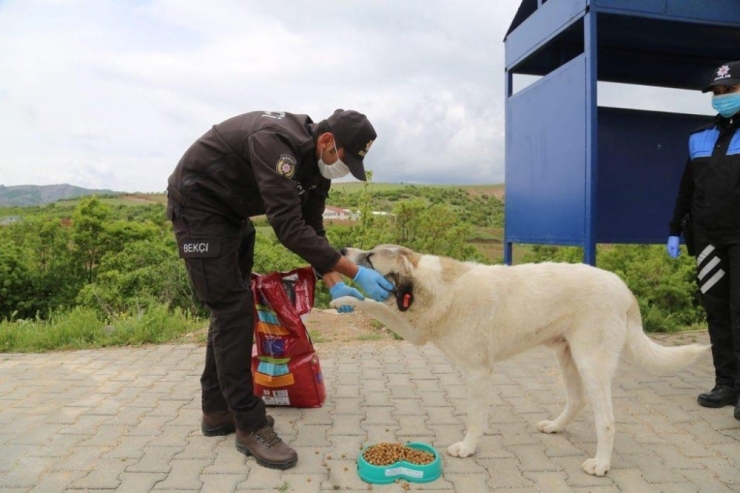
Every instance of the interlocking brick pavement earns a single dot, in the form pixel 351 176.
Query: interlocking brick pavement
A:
pixel 127 419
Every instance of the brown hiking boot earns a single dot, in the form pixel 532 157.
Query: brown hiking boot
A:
pixel 267 447
pixel 219 423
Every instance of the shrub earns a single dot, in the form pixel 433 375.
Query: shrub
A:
pixel 665 288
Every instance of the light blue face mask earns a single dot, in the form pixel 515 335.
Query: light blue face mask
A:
pixel 727 104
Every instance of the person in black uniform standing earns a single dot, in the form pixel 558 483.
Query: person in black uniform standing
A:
pixel 274 163
pixel 707 211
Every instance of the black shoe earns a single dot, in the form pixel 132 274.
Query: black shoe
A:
pixel 719 396
pixel 219 423
pixel 737 409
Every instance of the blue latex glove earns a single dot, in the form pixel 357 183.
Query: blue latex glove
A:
pixel 673 246
pixel 373 283
pixel 340 289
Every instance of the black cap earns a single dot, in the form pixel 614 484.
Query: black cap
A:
pixel 354 133
pixel 727 74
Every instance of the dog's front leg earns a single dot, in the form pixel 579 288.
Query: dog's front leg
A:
pixel 477 421
pixel 386 316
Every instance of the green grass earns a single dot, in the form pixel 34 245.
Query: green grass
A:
pixel 357 186
pixel 84 328
pixel 487 234
pixel 379 327
pixel 265 230
pixel 370 337
pixel 316 336
pixel 130 200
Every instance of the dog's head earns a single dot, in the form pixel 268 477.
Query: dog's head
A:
pixel 395 263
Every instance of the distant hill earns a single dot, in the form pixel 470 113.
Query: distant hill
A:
pixel 23 195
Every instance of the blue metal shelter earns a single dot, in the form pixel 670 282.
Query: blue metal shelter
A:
pixel 579 174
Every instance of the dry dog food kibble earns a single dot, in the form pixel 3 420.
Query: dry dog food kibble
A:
pixel 385 454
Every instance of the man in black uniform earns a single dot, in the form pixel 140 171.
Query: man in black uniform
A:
pixel 707 211
pixel 281 165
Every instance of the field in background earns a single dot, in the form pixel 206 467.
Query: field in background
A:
pixel 348 187
pixel 129 199
pixel 356 186
pixel 487 240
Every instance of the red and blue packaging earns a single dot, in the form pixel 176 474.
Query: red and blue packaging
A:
pixel 285 366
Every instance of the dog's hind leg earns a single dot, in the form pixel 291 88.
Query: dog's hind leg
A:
pixel 597 369
pixel 478 408
pixel 575 400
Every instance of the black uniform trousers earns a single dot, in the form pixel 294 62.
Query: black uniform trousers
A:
pixel 718 276
pixel 219 255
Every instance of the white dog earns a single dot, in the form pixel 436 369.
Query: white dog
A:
pixel 478 314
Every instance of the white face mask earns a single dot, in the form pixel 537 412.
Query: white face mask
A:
pixel 336 170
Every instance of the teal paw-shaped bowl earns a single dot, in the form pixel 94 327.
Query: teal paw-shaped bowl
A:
pixel 413 473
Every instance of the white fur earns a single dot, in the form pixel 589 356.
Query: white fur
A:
pixel 478 314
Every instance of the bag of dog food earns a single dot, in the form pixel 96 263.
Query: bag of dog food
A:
pixel 285 367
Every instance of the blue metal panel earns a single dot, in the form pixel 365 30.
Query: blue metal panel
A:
pixel 634 6
pixel 666 53
pixel 546 158
pixel 559 50
pixel 552 17
pixel 590 33
pixel 641 157
pixel 643 50
pixel 720 11
pixel 508 89
pixel 725 12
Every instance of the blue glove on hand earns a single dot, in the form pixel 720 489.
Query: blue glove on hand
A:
pixel 373 283
pixel 340 289
pixel 672 246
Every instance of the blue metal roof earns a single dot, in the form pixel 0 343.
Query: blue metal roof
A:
pixel 667 43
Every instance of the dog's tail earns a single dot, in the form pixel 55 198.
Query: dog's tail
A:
pixel 653 356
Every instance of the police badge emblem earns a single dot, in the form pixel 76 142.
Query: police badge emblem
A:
pixel 286 165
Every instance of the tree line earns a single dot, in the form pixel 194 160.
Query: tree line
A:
pixel 122 259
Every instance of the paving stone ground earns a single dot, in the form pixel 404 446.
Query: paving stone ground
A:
pixel 127 420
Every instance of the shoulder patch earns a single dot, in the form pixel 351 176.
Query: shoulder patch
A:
pixel 286 165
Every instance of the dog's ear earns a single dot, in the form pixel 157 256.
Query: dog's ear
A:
pixel 404 296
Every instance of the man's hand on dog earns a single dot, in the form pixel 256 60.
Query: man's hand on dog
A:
pixel 373 283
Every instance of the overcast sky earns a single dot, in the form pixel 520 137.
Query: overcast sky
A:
pixel 110 93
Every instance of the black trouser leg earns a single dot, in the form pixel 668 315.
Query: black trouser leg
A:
pixel 218 255
pixel 212 398
pixel 713 276
pixel 232 335
pixel 733 255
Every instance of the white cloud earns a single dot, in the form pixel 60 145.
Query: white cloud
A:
pixel 109 94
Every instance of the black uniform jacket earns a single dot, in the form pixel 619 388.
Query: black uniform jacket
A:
pixel 710 185
pixel 261 163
